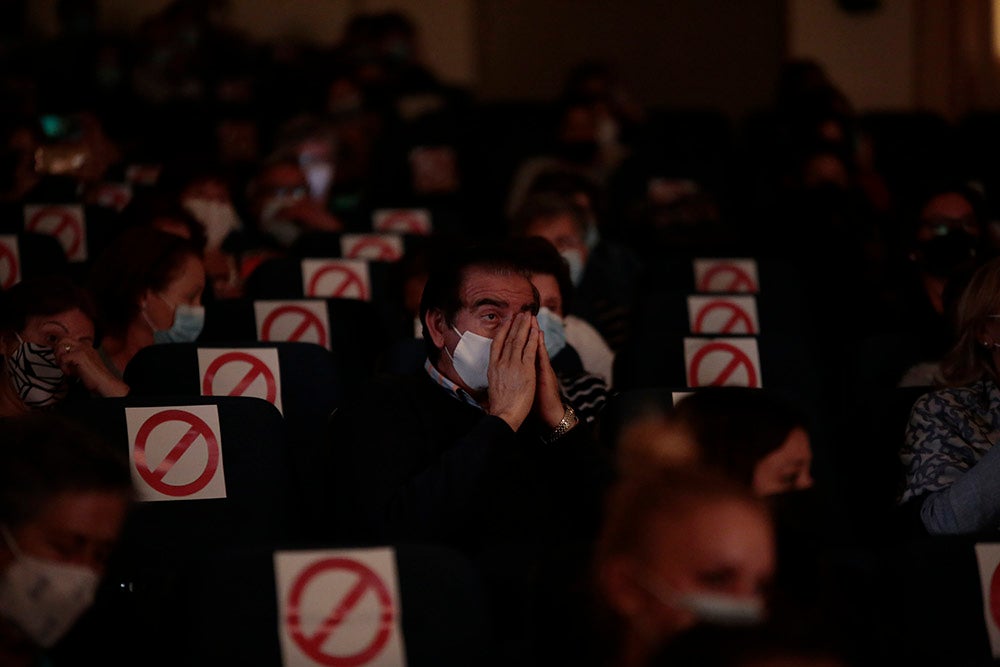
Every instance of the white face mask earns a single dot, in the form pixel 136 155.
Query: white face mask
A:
pixel 574 258
pixel 472 359
pixel 708 607
pixel 44 597
pixel 219 218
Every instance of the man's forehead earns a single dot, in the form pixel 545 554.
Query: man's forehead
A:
pixel 485 284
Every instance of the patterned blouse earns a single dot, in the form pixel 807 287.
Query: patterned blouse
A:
pixel 948 456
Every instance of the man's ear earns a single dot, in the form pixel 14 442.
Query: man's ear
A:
pixel 437 326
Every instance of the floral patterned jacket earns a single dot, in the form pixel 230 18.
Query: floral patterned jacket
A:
pixel 950 461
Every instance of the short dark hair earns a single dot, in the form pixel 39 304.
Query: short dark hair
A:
pixel 444 282
pixel 42 295
pixel 44 455
pixel 539 256
pixel 138 259
pixel 546 205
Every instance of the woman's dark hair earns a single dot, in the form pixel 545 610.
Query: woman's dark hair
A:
pixel 44 455
pixel 42 295
pixel 539 256
pixel 138 259
pixel 736 427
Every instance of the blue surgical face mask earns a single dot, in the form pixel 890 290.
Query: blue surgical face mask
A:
pixel 188 323
pixel 554 329
pixel 471 359
pixel 574 258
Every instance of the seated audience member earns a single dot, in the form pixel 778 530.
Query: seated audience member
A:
pixel 584 389
pixel 946 243
pixel 47 338
pixel 750 434
pixel 605 275
pixel 678 547
pixel 951 467
pixel 281 206
pixel 148 286
pixel 64 496
pixel 770 645
pixel 481 446
pixel 476 450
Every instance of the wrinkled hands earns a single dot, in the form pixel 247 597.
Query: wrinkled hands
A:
pixel 521 379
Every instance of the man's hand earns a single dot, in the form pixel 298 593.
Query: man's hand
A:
pixel 512 371
pixel 548 399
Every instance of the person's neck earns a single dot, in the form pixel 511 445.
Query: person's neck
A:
pixel 934 287
pixel 120 349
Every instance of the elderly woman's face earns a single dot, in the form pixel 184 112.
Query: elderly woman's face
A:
pixel 62 332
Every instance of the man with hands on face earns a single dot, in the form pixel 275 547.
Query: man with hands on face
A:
pixel 478 448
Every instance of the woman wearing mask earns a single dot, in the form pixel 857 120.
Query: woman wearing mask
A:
pixel 951 464
pixel 580 357
pixel 148 285
pixel 64 496
pixel 47 339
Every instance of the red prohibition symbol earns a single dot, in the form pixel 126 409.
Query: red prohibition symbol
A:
pixel 154 477
pixel 351 279
pixel 7 256
pixel 66 227
pixel 738 316
pixel 740 281
pixel 384 250
pixel 257 369
pixel 312 644
pixel 309 321
pixel 739 358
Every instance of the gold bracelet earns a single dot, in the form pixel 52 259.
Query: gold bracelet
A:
pixel 568 421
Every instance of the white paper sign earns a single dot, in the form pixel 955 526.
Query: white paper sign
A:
pixel 372 247
pixel 10 261
pixel 176 452
pixel 726 275
pixel 341 278
pixel 66 223
pixel 240 372
pixel 339 607
pixel 306 320
pixel 722 315
pixel 988 556
pixel 402 221
pixel 722 361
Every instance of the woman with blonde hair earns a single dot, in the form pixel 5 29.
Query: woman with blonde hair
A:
pixel 952 470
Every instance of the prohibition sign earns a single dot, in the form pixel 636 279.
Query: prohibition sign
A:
pixel 67 228
pixel 739 359
pixel 384 251
pixel 351 279
pixel 741 280
pixel 404 221
pixel 995 596
pixel 8 257
pixel 257 369
pixel 738 315
pixel 309 321
pixel 154 477
pixel 312 645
